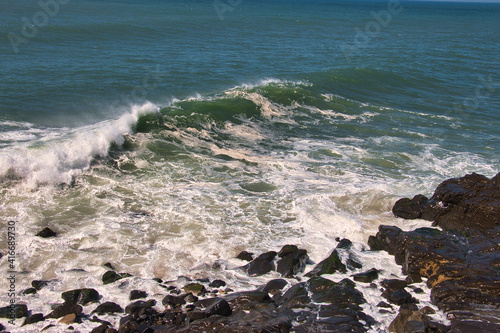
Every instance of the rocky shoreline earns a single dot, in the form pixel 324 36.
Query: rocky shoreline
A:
pixel 459 262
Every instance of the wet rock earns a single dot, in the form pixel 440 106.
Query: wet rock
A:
pixel 217 284
pixel 248 300
pixel 111 276
pixel 341 293
pixel 344 243
pixel 329 265
pixel 353 264
pixel 393 284
pixel 262 264
pixel 34 318
pixel 293 260
pixel 410 208
pixel 39 284
pixel 461 263
pixel 244 255
pixel 190 298
pixel 136 294
pixel 469 202
pixel 65 309
pixel 46 233
pixel 398 297
pixel 195 288
pixel 220 307
pixel 108 307
pixel 384 305
pixel 173 301
pixel 101 329
pixel 296 296
pixel 137 306
pixel 273 285
pixel 17 310
pixel 413 278
pixel 367 277
pixel 29 291
pixel 81 296
pixel 196 315
pixel 414 326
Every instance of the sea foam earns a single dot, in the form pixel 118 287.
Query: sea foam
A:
pixel 56 156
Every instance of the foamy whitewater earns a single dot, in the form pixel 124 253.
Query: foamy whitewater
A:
pixel 165 140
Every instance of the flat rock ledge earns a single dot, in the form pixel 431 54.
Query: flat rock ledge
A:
pixel 461 260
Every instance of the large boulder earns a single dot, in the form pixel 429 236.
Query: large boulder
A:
pixel 471 202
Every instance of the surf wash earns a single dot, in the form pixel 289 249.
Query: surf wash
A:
pixel 40 19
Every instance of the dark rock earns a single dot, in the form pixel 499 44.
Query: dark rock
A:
pixel 376 244
pixel 108 307
pixel 328 266
pixel 393 284
pixel 344 244
pixel 111 276
pixel 293 260
pixel 410 208
pixel 39 284
pixel 248 300
pixel 404 316
pixel 34 318
pixel 46 233
pixel 136 306
pixel 220 307
pixel 367 277
pixel 384 305
pixel 469 202
pixel 287 249
pixel 65 309
pixel 460 263
pixel 81 296
pixel 196 315
pixel 342 294
pixel 399 297
pixel 173 301
pixel 414 326
pixel 276 284
pixel 29 291
pixel 136 294
pixel 100 329
pixel 413 278
pixel 190 298
pixel 385 239
pixel 109 265
pixel 244 255
pixel 418 291
pixel 296 296
pixel 217 284
pixel 353 264
pixel 262 264
pixel 17 310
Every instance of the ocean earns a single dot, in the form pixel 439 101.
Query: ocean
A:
pixel 166 136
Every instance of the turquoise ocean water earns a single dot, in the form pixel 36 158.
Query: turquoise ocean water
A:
pixel 165 135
